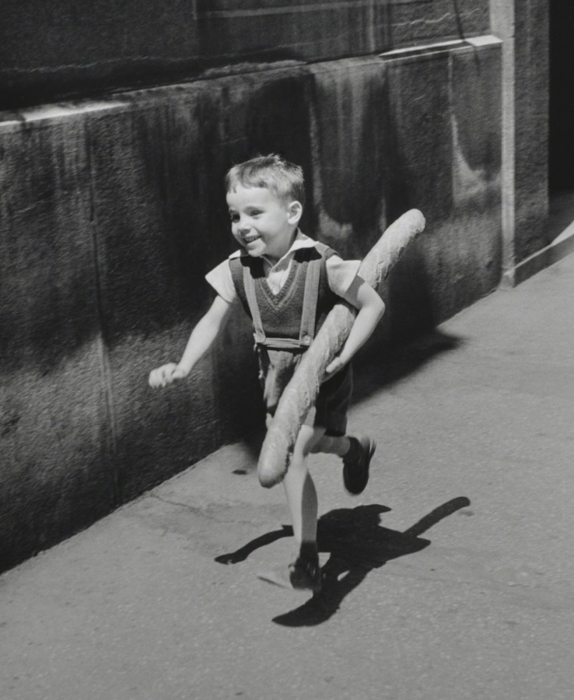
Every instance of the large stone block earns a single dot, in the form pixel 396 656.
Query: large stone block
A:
pixel 424 133
pixel 531 114
pixel 50 50
pixel 523 28
pixel 161 224
pixel 56 449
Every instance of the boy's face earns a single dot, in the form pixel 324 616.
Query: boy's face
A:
pixel 262 223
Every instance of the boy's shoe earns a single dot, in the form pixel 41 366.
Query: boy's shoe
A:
pixel 301 575
pixel 356 464
pixel 305 575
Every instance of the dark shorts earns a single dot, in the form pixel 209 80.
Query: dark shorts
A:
pixel 276 369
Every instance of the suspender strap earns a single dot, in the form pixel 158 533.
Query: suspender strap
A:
pixel 308 315
pixel 248 284
pixel 310 299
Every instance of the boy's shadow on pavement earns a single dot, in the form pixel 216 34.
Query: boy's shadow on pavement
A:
pixel 357 544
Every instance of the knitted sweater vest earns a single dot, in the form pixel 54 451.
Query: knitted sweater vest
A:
pixel 281 314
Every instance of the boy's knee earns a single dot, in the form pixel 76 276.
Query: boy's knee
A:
pixel 308 439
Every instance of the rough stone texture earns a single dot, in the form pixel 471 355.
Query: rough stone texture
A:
pixel 57 462
pixel 112 212
pixel 397 150
pixel 523 27
pixel 50 50
pixel 531 165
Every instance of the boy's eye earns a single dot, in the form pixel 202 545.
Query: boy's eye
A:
pixel 234 217
pixel 256 212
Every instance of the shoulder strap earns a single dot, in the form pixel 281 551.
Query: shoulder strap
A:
pixel 259 333
pixel 309 310
pixel 310 298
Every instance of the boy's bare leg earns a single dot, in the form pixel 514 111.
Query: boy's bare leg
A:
pixel 304 573
pixel 333 445
pixel 356 454
pixel 301 493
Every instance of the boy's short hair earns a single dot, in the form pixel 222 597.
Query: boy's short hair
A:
pixel 284 179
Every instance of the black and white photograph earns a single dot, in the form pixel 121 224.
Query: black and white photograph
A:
pixel 286 350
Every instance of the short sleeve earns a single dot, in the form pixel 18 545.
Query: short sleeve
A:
pixel 221 280
pixel 341 273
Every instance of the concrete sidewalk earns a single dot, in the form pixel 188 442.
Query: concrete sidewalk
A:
pixel 451 577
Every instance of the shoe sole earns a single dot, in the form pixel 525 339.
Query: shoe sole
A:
pixel 372 449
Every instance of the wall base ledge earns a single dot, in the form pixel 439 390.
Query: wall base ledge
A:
pixel 553 253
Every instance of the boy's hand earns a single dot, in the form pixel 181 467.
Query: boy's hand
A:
pixel 166 374
pixel 333 367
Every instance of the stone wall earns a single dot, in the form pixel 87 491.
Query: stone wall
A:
pixel 50 50
pixel 523 28
pixel 111 212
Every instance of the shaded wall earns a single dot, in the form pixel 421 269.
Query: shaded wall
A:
pixel 55 48
pixel 561 107
pixel 111 212
pixel 523 27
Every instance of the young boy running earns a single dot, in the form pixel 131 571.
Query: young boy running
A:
pixel 288 283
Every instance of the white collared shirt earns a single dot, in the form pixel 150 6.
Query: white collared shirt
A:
pixel 340 273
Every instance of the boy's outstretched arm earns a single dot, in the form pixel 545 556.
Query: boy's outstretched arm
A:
pixel 199 342
pixel 371 308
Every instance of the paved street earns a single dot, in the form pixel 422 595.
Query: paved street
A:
pixel 450 578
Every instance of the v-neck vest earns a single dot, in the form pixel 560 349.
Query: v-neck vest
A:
pixel 281 313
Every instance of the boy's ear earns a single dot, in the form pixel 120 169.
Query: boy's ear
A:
pixel 295 210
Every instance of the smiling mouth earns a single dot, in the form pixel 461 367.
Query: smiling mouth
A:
pixel 250 239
